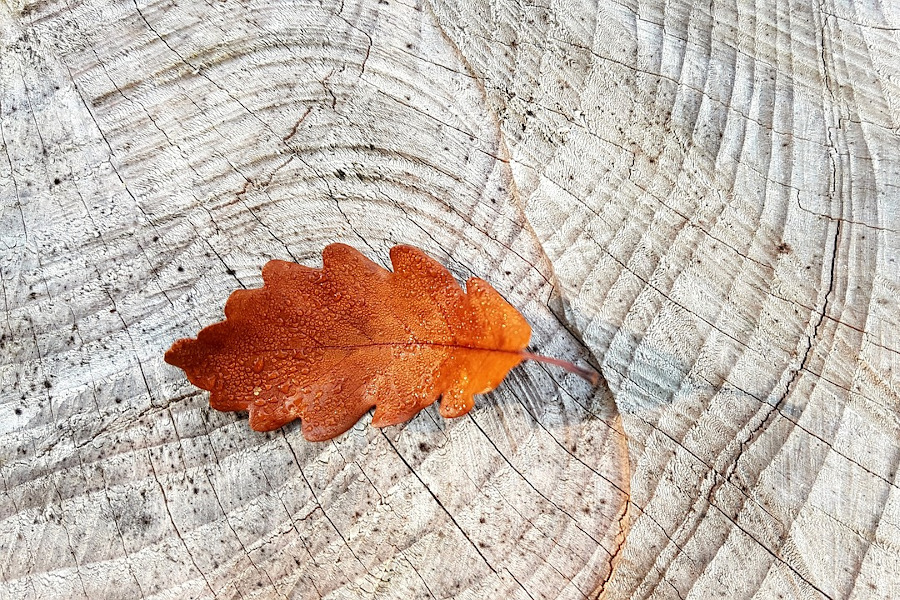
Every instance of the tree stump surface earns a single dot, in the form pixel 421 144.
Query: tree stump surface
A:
pixel 700 200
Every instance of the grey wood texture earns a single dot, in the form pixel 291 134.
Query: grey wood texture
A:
pixel 700 199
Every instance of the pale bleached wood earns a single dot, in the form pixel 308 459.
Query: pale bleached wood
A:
pixel 717 187
pixel 155 157
pixel 705 196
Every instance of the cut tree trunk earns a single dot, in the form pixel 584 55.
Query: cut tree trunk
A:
pixel 700 200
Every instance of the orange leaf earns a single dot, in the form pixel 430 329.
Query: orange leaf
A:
pixel 326 345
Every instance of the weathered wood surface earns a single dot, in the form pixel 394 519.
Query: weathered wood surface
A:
pixel 703 199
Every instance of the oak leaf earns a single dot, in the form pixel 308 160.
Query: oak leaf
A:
pixel 326 345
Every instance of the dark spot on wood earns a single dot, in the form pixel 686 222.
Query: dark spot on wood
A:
pixel 424 447
pixel 18 411
pixel 56 181
pixel 180 269
pixel 340 174
pixel 230 272
pixel 47 384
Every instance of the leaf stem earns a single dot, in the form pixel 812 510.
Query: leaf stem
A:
pixel 587 374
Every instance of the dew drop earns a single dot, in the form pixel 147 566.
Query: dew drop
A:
pixel 257 391
pixel 258 364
